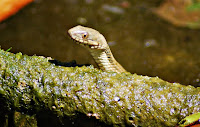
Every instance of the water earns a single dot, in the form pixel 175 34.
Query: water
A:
pixel 142 42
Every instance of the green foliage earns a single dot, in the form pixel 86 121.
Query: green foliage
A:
pixel 194 7
pixel 8 49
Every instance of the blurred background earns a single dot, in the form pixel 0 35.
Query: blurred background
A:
pixel 148 37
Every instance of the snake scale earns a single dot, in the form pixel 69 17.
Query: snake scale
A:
pixel 96 43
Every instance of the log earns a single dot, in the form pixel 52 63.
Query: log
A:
pixel 36 83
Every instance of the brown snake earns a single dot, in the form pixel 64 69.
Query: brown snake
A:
pixel 98 47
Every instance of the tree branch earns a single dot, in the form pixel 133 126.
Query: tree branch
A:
pixel 32 83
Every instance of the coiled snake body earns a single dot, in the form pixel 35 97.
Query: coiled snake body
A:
pixel 98 47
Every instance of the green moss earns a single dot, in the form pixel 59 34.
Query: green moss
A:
pixel 195 6
pixel 23 120
pixel 32 83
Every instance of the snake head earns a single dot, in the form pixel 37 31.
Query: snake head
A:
pixel 88 37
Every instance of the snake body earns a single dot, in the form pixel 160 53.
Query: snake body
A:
pixel 98 47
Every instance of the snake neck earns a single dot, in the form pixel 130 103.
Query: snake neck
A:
pixel 106 61
pixel 98 47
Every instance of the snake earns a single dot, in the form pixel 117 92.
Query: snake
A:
pixel 96 43
pixel 98 47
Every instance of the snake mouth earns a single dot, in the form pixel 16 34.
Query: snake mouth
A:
pixel 89 45
pixel 85 44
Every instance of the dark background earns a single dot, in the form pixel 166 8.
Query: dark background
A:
pixel 141 41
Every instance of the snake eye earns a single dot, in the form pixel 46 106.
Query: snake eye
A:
pixel 85 35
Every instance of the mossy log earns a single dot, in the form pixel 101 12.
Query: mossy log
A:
pixel 33 83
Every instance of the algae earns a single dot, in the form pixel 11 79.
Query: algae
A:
pixel 31 84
